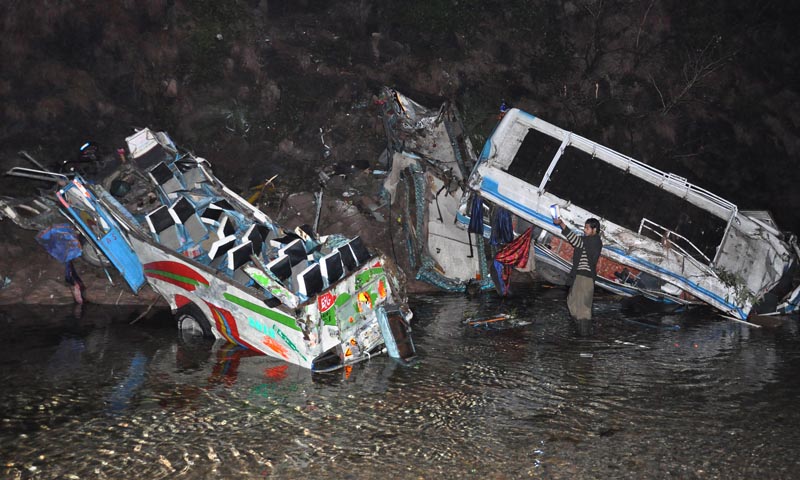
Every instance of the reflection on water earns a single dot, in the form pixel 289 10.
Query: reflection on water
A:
pixel 630 394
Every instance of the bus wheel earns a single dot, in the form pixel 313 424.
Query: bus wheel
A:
pixel 192 323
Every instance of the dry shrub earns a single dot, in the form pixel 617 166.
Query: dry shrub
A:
pixel 145 85
pixel 270 97
pixel 17 47
pixel 155 8
pixel 47 19
pixel 52 73
pixel 744 134
pixel 786 105
pixel 117 37
pixel 81 90
pixel 608 134
pixel 171 88
pixel 664 128
pixel 13 113
pixel 48 109
pixel 780 135
pixel 243 92
pixel 105 109
pixel 249 60
pixel 161 50
pixel 304 61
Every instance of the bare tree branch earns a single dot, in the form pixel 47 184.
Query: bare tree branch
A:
pixel 696 68
pixel 641 25
pixel 663 105
pixel 595 10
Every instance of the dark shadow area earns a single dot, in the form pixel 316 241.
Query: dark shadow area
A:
pixel 613 194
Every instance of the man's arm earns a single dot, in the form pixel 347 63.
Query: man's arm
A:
pixel 574 239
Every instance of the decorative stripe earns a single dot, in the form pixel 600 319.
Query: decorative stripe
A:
pixel 273 332
pixel 288 341
pixel 181 301
pixel 226 325
pixel 177 269
pixel 264 311
pixel 731 307
pixel 546 256
pixel 173 276
pixel 169 279
pixel 489 187
pixel 222 323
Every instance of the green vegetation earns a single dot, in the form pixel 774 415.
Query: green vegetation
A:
pixel 738 284
pixel 437 15
pixel 208 43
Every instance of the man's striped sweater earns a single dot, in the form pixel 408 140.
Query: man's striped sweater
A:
pixel 587 252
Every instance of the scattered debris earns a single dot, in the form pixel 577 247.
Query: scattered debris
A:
pixel 326 149
pixel 428 160
pixel 503 321
pixel 621 342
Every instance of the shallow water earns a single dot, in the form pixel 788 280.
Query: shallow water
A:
pixel 633 395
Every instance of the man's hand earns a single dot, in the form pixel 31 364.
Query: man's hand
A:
pixel 559 222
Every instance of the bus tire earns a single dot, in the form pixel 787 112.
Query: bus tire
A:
pixel 192 323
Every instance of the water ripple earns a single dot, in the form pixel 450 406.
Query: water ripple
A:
pixel 627 396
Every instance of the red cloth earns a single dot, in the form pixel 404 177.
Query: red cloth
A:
pixel 514 255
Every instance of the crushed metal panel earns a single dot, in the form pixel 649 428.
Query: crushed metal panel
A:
pixel 764 217
pixel 753 256
pixel 449 245
pixel 425 185
pixel 101 228
pixel 141 142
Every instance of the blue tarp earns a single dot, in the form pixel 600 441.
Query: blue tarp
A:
pixel 61 242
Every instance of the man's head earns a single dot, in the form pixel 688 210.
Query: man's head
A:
pixel 591 227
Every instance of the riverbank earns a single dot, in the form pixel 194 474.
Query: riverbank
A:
pixel 37 278
pixel 350 205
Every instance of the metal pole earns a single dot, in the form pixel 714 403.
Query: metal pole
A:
pixel 319 209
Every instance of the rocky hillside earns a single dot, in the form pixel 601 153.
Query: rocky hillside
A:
pixel 706 90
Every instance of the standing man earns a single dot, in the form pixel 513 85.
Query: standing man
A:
pixel 584 266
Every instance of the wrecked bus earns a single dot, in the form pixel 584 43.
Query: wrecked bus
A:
pixel 228 271
pixel 664 238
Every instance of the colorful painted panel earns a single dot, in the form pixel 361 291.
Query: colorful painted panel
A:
pixel 175 273
pixel 274 287
pixel 275 339
pixel 226 325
